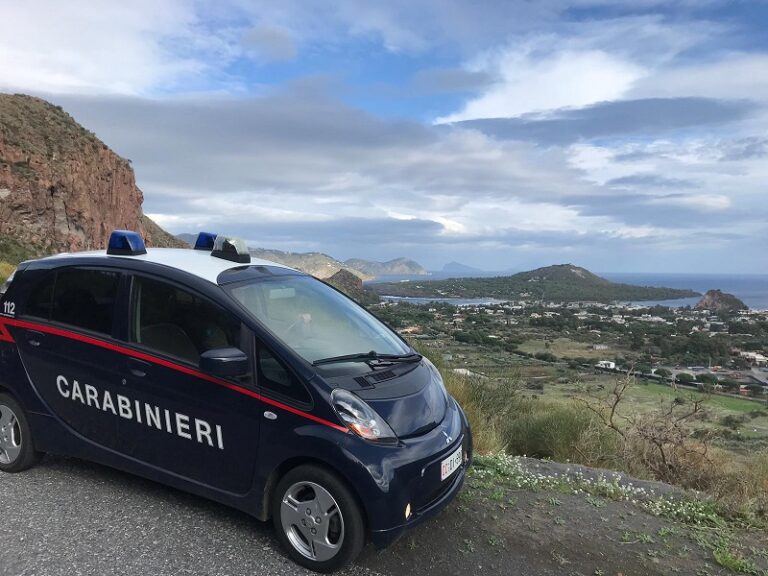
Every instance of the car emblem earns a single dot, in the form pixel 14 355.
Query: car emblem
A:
pixel 448 439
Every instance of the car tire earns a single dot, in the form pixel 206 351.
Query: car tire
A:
pixel 17 449
pixel 317 519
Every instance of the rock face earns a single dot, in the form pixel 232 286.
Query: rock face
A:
pixel 717 301
pixel 61 188
pixel 352 286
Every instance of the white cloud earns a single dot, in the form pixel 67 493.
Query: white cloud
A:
pixel 81 46
pixel 734 75
pixel 529 82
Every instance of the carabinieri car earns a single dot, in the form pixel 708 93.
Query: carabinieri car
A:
pixel 242 381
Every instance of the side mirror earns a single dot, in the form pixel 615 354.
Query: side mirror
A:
pixel 225 362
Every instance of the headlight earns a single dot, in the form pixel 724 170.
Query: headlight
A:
pixel 361 418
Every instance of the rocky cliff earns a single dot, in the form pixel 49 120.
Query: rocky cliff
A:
pixel 717 300
pixel 61 188
pixel 352 286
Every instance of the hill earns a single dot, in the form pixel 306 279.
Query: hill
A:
pixel 398 266
pixel 316 263
pixel 459 268
pixel 352 286
pixel 61 188
pixel 717 301
pixel 559 283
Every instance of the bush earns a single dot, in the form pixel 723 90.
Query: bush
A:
pixel 685 378
pixel 545 356
pixel 5 271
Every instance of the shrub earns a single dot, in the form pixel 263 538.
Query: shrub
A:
pixel 5 271
pixel 685 377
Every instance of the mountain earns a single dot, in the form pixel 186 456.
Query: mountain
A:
pixel 560 283
pixel 398 266
pixel 61 188
pixel 316 263
pixel 717 301
pixel 459 268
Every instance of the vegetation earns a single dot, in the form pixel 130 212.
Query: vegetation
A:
pixel 561 283
pixel 607 430
pixel 12 251
pixel 5 271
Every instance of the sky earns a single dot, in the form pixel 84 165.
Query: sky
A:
pixel 502 134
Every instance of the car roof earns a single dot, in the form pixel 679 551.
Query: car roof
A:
pixel 200 263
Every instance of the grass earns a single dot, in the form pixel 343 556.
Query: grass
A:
pixel 567 348
pixel 506 419
pixel 12 251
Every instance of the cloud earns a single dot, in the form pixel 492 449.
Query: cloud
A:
pixel 649 181
pixel 99 47
pixel 270 44
pixel 297 169
pixel 647 117
pixel 529 83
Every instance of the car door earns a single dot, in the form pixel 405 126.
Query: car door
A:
pixel 185 421
pixel 65 341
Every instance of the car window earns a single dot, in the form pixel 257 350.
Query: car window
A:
pixel 178 323
pixel 40 300
pixel 83 298
pixel 275 377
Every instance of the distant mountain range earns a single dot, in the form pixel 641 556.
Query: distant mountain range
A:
pixel 559 283
pixel 398 266
pixel 324 266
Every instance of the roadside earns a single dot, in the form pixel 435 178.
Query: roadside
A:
pixel 515 516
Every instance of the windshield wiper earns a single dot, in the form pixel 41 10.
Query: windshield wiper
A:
pixel 368 357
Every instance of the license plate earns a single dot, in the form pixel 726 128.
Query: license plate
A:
pixel 450 464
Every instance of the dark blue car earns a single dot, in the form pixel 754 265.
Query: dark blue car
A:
pixel 243 381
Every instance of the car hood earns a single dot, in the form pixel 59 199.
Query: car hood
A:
pixel 412 402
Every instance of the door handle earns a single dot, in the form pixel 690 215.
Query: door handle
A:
pixel 34 337
pixel 137 367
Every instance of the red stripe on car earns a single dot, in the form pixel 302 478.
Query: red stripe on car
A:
pixel 159 361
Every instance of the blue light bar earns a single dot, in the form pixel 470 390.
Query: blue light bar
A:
pixel 205 241
pixel 233 249
pixel 125 243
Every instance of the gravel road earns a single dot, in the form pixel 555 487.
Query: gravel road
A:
pixel 74 518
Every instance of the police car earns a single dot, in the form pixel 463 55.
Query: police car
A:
pixel 240 380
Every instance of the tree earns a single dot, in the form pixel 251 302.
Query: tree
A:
pixel 707 378
pixel 663 372
pixel 685 378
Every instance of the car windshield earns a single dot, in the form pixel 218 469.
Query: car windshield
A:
pixel 315 320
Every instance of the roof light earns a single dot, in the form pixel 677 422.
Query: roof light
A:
pixel 233 249
pixel 125 243
pixel 205 241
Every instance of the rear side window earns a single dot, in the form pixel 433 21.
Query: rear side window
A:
pixel 177 323
pixel 82 298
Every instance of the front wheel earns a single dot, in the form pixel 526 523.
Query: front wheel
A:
pixel 17 452
pixel 317 519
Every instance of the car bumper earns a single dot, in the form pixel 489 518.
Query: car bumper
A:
pixel 417 483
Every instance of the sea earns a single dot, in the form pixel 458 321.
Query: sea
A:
pixel 751 288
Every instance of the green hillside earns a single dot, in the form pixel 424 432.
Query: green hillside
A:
pixel 559 283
